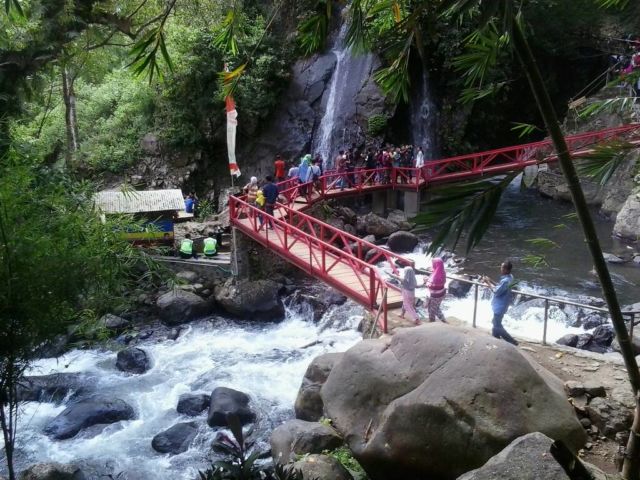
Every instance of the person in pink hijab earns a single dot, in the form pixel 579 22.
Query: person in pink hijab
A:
pixel 437 291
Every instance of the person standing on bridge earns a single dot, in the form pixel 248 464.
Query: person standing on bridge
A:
pixel 437 291
pixel 408 284
pixel 279 169
pixel 270 192
pixel 501 300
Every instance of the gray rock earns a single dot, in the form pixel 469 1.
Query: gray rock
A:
pixel 193 404
pixel 611 258
pixel 226 401
pixel 399 218
pixel 603 335
pixel 609 416
pixel 52 388
pixel 526 458
pixel 458 289
pixel 593 320
pixel 346 214
pixel 52 471
pixel 177 307
pixel 133 360
pixel 628 220
pixel 574 389
pixel 401 242
pixel 249 299
pixel 187 276
pixel 176 439
pixel 624 396
pixel 308 405
pixel 378 226
pixel 570 340
pixel 297 437
pixel 635 344
pixel 436 385
pixel 321 467
pixel 113 322
pixel 95 410
pixel 594 390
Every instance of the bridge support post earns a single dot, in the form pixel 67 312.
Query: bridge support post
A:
pixel 411 203
pixel 379 202
pixel 240 254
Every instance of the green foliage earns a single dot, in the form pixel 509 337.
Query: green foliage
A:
pixel 467 207
pixel 376 124
pixel 524 129
pixel 312 31
pixel 345 457
pixel 535 261
pixel 240 463
pixel 603 162
pixel 60 264
pixel 113 116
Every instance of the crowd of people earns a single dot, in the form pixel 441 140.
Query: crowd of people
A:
pixel 627 65
pixel 435 283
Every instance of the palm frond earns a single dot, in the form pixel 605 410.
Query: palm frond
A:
pixel 536 261
pixel 620 4
pixel 463 208
pixel 357 35
pixel 543 243
pixel 312 33
pixel 482 52
pixel 524 129
pixel 13 6
pixel 605 159
pixel 394 79
pixel 472 94
pixel 609 105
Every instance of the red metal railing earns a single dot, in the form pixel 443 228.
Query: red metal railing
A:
pixel 324 251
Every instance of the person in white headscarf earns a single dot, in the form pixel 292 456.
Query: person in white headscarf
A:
pixel 251 189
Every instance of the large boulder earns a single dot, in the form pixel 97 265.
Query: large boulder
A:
pixel 399 218
pixel 52 471
pixel 179 306
pixel 635 344
pixel 628 220
pixel 401 242
pixel 297 437
pixel 176 439
pixel 133 360
pixel 437 401
pixel 226 401
pixel 373 224
pixel 309 404
pixel 86 413
pixel 193 404
pixel 321 467
pixel 52 388
pixel 459 289
pixel 251 299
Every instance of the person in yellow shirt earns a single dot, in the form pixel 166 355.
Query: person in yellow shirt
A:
pixel 260 203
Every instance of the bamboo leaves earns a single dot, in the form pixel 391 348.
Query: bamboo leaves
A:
pixel 226 38
pixel 465 208
pixel 604 161
pixel 13 5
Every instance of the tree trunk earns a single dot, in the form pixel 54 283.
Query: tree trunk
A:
pixel 631 465
pixel 70 117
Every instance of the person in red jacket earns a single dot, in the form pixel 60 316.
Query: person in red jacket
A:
pixel 280 173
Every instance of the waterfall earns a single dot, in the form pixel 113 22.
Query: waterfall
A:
pixel 337 126
pixel 423 117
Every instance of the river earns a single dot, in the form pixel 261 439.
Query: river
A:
pixel 267 361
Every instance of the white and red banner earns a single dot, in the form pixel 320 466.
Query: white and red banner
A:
pixel 232 125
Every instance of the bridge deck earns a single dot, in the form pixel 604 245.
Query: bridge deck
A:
pixel 347 262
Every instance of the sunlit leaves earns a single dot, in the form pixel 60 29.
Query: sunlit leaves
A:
pixel 230 80
pixel 621 4
pixel 604 161
pixel 226 38
pixel 535 261
pixel 463 208
pixel 147 52
pixel 543 243
pixel 610 105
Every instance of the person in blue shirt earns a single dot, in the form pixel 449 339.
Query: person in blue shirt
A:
pixel 270 192
pixel 501 300
pixel 189 203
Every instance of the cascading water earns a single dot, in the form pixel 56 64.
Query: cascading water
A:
pixel 423 116
pixel 337 128
pixel 267 361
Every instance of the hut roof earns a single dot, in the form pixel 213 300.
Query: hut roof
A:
pixel 139 201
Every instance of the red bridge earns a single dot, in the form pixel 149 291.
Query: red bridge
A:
pixel 347 262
